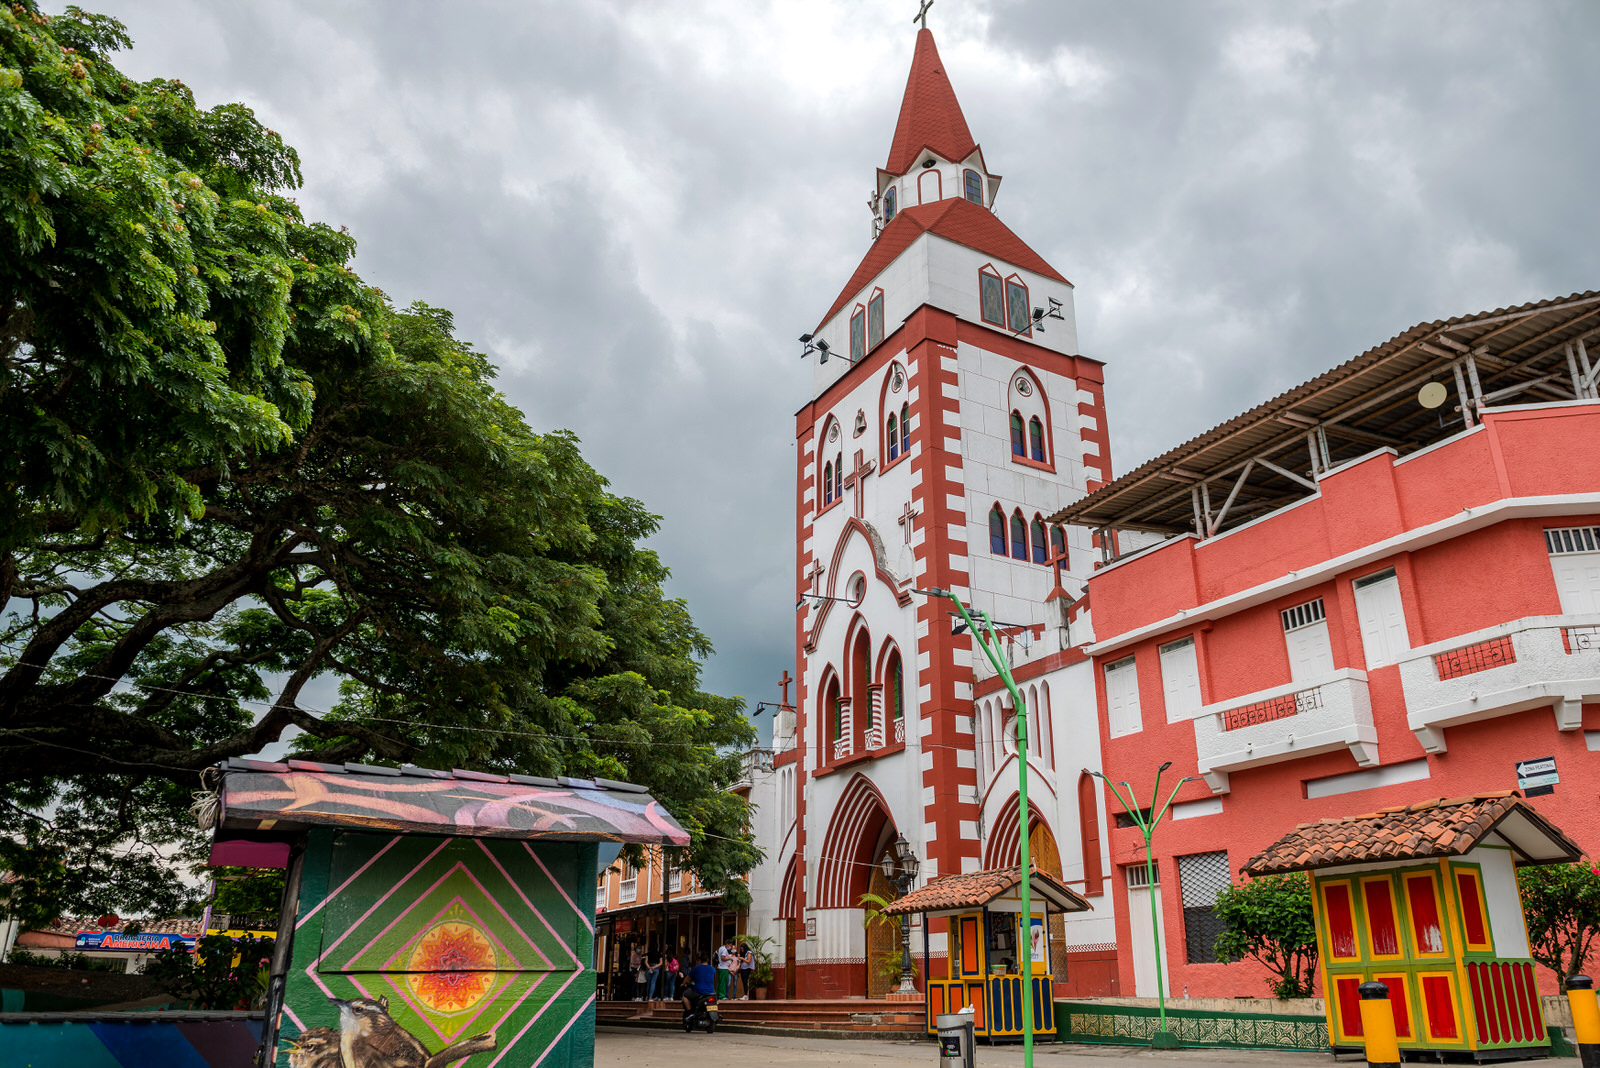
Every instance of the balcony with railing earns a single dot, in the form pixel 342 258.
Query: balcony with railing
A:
pixel 1287 722
pixel 1535 662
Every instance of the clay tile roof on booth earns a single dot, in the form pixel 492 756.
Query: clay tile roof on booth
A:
pixel 976 889
pixel 1443 827
pixel 930 116
pixel 954 219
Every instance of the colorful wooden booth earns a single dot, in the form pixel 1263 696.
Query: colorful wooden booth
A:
pixel 430 917
pixel 991 951
pixel 1423 898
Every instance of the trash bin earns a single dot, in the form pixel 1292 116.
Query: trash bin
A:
pixel 955 1039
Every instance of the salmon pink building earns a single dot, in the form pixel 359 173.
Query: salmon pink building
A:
pixel 1379 587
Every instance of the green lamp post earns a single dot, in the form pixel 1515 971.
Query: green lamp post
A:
pixel 989 642
pixel 1163 1039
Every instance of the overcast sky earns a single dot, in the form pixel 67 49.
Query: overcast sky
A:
pixel 635 208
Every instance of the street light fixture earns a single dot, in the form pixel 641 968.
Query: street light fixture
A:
pixel 990 643
pixel 1163 1039
pixel 900 868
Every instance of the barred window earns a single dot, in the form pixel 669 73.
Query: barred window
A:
pixel 1303 615
pixel 1201 876
pixel 1562 540
pixel 1138 875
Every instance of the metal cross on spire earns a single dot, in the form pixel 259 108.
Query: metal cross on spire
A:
pixel 922 14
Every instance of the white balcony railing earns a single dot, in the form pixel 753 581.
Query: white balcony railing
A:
pixel 1535 662
pixel 1285 723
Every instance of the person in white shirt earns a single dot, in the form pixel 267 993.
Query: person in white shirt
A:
pixel 727 965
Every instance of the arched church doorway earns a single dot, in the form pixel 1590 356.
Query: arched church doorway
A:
pixel 1047 858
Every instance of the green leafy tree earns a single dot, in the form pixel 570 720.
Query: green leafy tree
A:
pixel 1269 920
pixel 231 466
pixel 223 973
pixel 1561 905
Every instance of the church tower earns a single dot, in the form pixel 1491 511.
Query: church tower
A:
pixel 950 415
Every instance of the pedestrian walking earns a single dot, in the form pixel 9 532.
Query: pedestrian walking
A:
pixel 652 973
pixel 747 970
pixel 636 971
pixel 725 962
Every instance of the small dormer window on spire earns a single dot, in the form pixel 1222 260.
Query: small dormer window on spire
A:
pixel 888 205
pixel 974 186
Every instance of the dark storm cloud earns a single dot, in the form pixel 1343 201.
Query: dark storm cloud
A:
pixel 636 207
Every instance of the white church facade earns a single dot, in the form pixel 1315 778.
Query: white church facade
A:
pixel 950 414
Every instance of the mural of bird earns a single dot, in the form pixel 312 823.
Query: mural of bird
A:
pixel 370 1038
pixel 315 1048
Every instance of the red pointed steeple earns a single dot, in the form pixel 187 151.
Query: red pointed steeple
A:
pixel 930 117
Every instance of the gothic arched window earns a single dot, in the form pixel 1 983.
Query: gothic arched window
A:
pixel 997 531
pixel 905 428
pixel 1058 542
pixel 894 436
pixel 875 319
pixel 1037 532
pixel 827 483
pixel 858 335
pixel 991 296
pixel 888 205
pixel 974 183
pixel 1018 317
pixel 1019 447
pixel 897 688
pixel 1019 536
pixel 1036 439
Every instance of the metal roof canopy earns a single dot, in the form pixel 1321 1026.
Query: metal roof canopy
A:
pixel 1271 455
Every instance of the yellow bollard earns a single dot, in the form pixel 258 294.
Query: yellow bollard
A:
pixel 1585 1019
pixel 1377 1026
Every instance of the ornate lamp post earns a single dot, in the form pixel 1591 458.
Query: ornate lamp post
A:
pixel 988 641
pixel 1162 1039
pixel 901 870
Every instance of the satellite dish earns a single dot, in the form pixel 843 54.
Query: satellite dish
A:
pixel 1432 395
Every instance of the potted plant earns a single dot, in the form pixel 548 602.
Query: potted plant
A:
pixel 761 950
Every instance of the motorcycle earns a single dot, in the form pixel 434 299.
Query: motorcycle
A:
pixel 702 1013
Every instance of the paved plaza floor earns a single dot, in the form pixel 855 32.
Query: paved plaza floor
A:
pixel 638 1048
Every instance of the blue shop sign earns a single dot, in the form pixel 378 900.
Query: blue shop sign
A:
pixel 148 942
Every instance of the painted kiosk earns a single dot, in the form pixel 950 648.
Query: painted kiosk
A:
pixel 430 918
pixel 1423 898
pixel 983 910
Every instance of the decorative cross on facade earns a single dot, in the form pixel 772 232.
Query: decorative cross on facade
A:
pixel 815 575
pixel 857 479
pixel 783 687
pixel 1057 561
pixel 922 15
pixel 908 516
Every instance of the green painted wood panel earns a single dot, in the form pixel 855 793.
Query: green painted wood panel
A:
pixel 446 940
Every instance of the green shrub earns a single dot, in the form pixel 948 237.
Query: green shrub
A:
pixel 1269 920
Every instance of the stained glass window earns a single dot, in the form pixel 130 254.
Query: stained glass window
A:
pixel 888 205
pixel 827 483
pixel 1017 306
pixel 1036 439
pixel 992 298
pixel 905 428
pixel 997 531
pixel 858 336
pixel 974 187
pixel 1019 537
pixel 894 436
pixel 898 676
pixel 1018 446
pixel 874 320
